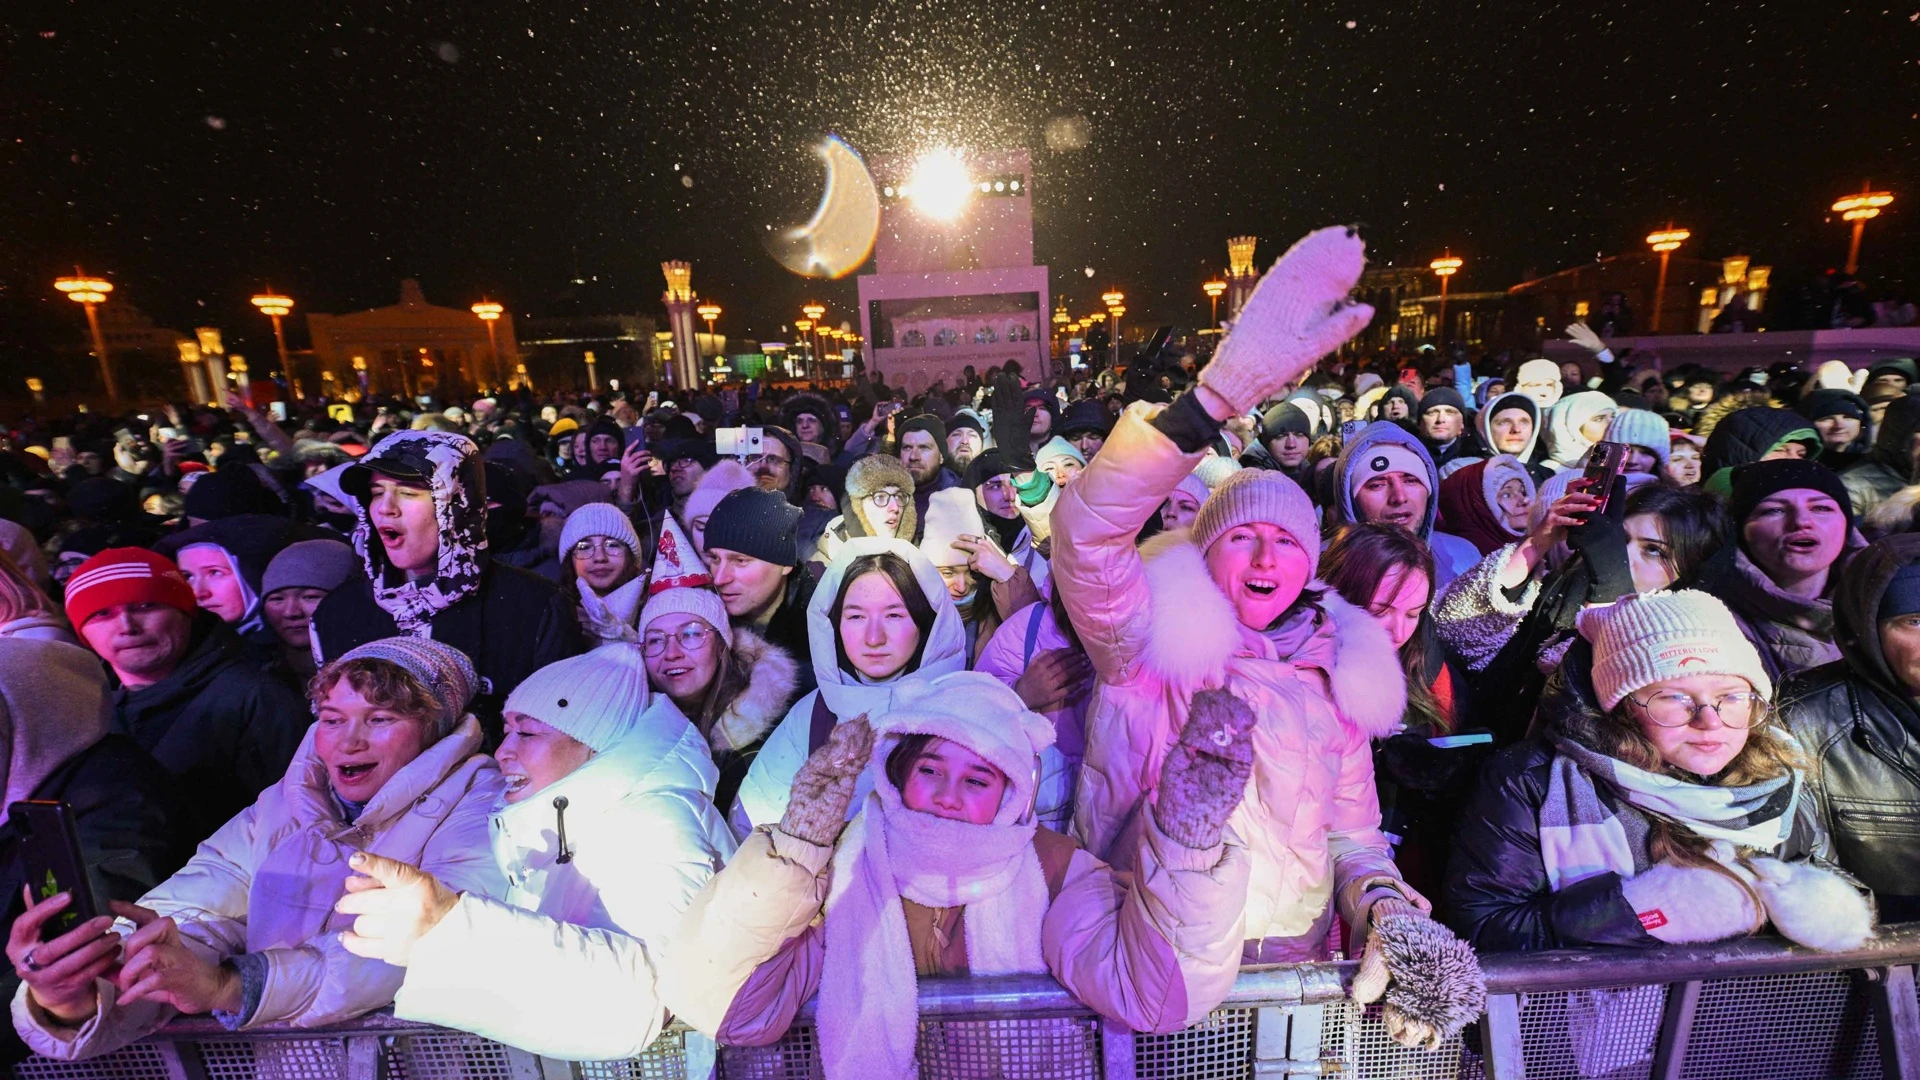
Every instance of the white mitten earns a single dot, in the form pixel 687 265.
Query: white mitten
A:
pixel 1296 315
pixel 1688 905
pixel 1812 906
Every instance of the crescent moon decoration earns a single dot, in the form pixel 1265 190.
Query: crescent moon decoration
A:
pixel 839 236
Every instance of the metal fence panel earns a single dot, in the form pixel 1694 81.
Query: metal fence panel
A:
pixel 1217 1048
pixel 1785 1027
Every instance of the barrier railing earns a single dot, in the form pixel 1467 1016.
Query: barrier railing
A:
pixel 1753 1008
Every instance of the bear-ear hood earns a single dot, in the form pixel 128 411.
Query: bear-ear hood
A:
pixel 1194 632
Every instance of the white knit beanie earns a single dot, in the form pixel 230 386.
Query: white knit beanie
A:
pixel 1260 495
pixel 976 711
pixel 1057 449
pixel 951 513
pixel 1638 427
pixel 1648 637
pixel 598 519
pixel 1213 470
pixel 596 697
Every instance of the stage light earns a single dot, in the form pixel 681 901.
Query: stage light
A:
pixel 940 185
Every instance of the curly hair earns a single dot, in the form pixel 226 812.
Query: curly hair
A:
pixel 385 685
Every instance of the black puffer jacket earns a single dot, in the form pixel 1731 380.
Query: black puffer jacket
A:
pixel 1862 728
pixel 1748 435
pixel 133 835
pixel 222 726
pixel 1497 894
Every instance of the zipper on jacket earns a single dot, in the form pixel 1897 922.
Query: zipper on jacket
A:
pixel 560 826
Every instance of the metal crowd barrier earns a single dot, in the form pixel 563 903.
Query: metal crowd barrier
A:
pixel 1750 1009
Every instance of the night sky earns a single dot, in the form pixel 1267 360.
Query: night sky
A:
pixel 194 152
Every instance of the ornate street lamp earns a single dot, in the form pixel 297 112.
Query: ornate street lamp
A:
pixel 1666 241
pixel 90 293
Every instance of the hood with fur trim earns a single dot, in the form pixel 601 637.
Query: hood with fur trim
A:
pixel 1195 632
pixel 772 678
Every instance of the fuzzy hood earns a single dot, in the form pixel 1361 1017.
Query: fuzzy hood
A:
pixel 870 474
pixel 1483 421
pixel 1195 632
pixel 1375 434
pixel 450 466
pixel 1566 447
pixel 772 677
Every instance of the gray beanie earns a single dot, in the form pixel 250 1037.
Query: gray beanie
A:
pixel 311 564
pixel 444 670
pixel 1252 495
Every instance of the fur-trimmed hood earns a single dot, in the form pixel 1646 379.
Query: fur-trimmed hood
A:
pixel 1195 633
pixel 772 677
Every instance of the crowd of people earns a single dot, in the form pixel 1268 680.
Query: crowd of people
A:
pixel 544 718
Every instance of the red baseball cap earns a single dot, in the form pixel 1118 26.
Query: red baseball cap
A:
pixel 127 575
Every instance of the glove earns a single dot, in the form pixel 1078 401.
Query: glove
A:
pixel 1812 906
pixel 1690 905
pixel 823 788
pixel 1205 774
pixel 1296 315
pixel 1602 542
pixel 1431 979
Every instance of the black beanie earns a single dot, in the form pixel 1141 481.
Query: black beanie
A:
pixel 1445 395
pixel 1285 418
pixel 758 524
pixel 928 423
pixel 1831 402
pixel 1757 481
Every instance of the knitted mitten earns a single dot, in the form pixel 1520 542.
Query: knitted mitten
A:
pixel 1296 315
pixel 1811 905
pixel 823 788
pixel 1431 979
pixel 1205 773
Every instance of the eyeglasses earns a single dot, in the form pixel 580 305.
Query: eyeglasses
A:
pixel 886 499
pixel 603 545
pixel 692 638
pixel 758 460
pixel 1672 709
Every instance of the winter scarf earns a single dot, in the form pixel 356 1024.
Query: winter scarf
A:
pixel 869 1016
pixel 1581 837
pixel 453 470
pixel 1470 502
pixel 610 618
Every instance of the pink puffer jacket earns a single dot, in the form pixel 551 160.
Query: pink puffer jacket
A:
pixel 1158 629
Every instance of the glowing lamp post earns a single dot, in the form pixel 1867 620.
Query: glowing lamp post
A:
pixel 709 311
pixel 805 328
pixel 1114 301
pixel 274 306
pixel 1858 209
pixel 489 313
pixel 814 313
pixel 593 374
pixel 1666 241
pixel 38 390
pixel 1445 267
pixel 1061 320
pixel 1214 290
pixel 90 293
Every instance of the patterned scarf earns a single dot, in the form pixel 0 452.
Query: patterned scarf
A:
pixel 452 462
pixel 1580 836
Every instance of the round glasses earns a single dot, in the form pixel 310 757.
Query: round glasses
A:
pixel 692 638
pixel 887 499
pixel 603 545
pixel 1672 709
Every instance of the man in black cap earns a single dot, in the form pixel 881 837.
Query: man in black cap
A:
pixel 1086 426
pixel 1443 426
pixel 966 437
pixel 923 448
pixel 752 542
pixel 1286 432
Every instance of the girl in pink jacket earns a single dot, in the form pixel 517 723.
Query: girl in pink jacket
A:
pixel 1231 603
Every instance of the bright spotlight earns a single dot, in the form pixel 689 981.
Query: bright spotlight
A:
pixel 940 186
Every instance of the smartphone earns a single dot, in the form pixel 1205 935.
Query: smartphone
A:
pixel 50 851
pixel 168 434
pixel 738 442
pixel 1606 462
pixel 278 410
pixel 635 435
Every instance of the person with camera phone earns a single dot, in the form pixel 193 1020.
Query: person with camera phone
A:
pixel 84 805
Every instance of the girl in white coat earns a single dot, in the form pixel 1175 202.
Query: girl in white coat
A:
pixel 606 832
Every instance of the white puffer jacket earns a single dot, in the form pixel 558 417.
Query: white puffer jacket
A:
pixel 266 883
pixel 566 966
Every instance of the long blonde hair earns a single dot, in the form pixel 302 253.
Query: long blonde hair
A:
pixel 19 596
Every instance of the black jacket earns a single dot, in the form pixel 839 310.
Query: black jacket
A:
pixel 788 627
pixel 133 835
pixel 514 624
pixel 1862 729
pixel 222 726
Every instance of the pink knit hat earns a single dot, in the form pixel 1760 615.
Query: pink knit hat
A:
pixel 1260 495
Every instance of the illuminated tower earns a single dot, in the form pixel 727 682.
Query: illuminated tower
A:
pixel 685 373
pixel 1241 276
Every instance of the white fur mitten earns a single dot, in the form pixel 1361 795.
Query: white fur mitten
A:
pixel 1688 905
pixel 1296 315
pixel 1812 906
